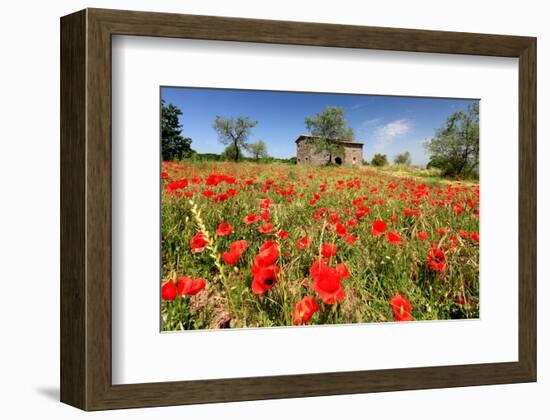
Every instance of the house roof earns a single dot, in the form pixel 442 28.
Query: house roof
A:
pixel 343 141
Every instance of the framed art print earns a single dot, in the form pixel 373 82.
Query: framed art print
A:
pixel 262 209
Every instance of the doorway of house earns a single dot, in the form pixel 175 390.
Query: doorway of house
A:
pixel 338 160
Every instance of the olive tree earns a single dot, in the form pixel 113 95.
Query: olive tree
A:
pixel 258 150
pixel 329 126
pixel 234 132
pixel 455 147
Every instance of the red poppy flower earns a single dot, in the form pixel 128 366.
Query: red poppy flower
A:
pixel 328 250
pixel 342 270
pixel 315 268
pixel 198 243
pixel 393 238
pixel 220 198
pixel 164 175
pixel 422 236
pixel 341 229
pixel 463 233
pixel 303 243
pixel 410 212
pixel 393 219
pixel 458 209
pixel 402 308
pixel 266 227
pixel 178 184
pixel 352 222
pixel 224 229
pixel 268 254
pixel 378 227
pixel 265 215
pixel 453 240
pixel 436 259
pixel 169 291
pixel 251 218
pixel 350 239
pixel 283 234
pixel 235 251
pixel 188 286
pixel 474 236
pixel 328 281
pixel 304 310
pixel 264 278
pixel 266 202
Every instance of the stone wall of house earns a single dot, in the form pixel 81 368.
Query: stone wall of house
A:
pixel 353 155
pixel 305 154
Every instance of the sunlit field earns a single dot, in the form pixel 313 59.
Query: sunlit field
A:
pixel 254 245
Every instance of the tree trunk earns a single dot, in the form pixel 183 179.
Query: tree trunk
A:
pixel 236 152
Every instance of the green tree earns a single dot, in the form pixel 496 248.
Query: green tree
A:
pixel 403 159
pixel 329 125
pixel 379 160
pixel 174 145
pixel 234 132
pixel 230 153
pixel 455 147
pixel 258 150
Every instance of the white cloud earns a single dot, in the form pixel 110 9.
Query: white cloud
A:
pixel 386 134
pixel 364 128
pixel 371 122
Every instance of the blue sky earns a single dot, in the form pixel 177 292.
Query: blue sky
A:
pixel 385 124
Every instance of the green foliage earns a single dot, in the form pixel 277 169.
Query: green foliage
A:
pixel 455 146
pixel 174 145
pixel 379 160
pixel 234 131
pixel 229 155
pixel 329 125
pixel 436 162
pixel 206 157
pixel 231 152
pixel 258 150
pixel 403 159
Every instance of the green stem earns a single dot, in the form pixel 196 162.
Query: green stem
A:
pixel 214 253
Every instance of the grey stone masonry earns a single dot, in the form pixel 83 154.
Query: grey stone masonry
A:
pixel 305 152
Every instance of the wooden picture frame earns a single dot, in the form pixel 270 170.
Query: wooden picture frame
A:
pixel 86 361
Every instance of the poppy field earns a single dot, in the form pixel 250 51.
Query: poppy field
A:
pixel 247 245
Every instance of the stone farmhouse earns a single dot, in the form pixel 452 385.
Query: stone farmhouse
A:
pixel 305 152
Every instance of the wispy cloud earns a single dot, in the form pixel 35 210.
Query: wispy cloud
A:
pixel 372 121
pixel 384 135
pixel 364 128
